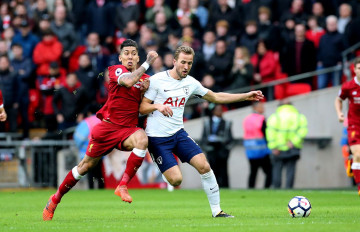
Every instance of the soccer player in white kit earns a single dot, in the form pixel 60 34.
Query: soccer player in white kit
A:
pixel 164 102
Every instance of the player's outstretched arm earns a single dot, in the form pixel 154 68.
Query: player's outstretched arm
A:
pixel 130 79
pixel 146 107
pixel 225 98
pixel 338 108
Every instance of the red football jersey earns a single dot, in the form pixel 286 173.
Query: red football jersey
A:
pixel 351 90
pixel 122 105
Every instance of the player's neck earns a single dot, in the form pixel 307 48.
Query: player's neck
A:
pixel 174 74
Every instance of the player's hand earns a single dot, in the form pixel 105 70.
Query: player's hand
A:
pixel 151 57
pixel 165 110
pixel 341 117
pixel 255 96
pixel 3 116
pixel 145 85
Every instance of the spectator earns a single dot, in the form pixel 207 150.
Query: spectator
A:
pixel 318 12
pixel 48 85
pixel 242 71
pixel 173 40
pixel 65 33
pixel 157 66
pixel 267 30
pixel 286 130
pixel 69 103
pixel 222 32
pixel 300 55
pixel 88 77
pixel 127 11
pixel 256 146
pixel 78 9
pixel 209 45
pixel 98 54
pixel 329 53
pixel 48 50
pixel 296 12
pixel 4 50
pixel 189 35
pixel 44 25
pixel 5 14
pixel 208 81
pixel 41 11
pixel 168 60
pixel 217 142
pixel 23 67
pixel 186 18
pixel 159 6
pixel 81 138
pixel 287 31
pixel 221 10
pixel 8 36
pixel 219 65
pixel 132 31
pixel 250 38
pixel 265 67
pixel 8 87
pixel 345 11
pixel 26 38
pixel 99 19
pixel 315 32
pixel 162 29
pixel 200 11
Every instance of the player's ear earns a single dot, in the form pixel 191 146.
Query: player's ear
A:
pixel 120 57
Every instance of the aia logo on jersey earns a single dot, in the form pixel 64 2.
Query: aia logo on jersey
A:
pixel 175 102
pixel 118 72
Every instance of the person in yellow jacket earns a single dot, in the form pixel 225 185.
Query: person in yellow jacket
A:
pixel 285 132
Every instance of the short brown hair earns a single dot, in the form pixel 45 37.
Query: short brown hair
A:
pixel 185 49
pixel 356 61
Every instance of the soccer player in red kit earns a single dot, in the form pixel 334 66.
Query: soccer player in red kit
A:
pixel 3 114
pixel 351 90
pixel 118 128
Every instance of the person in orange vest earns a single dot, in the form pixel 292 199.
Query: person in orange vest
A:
pixel 256 146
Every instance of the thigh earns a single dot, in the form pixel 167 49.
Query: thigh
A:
pixel 186 148
pixel 355 150
pixel 161 151
pixel 135 135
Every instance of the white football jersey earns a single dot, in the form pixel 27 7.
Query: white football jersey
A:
pixel 166 90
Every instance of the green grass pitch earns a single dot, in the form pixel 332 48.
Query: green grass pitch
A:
pixel 181 210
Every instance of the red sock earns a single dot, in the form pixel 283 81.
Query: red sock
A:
pixel 357 177
pixel 132 165
pixel 65 187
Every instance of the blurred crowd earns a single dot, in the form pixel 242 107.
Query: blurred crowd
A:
pixel 53 53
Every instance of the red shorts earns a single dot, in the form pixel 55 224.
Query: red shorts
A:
pixel 353 134
pixel 106 136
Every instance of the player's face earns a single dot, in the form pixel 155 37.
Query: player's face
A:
pixel 183 64
pixel 357 70
pixel 129 57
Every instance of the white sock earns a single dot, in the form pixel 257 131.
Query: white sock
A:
pixel 355 166
pixel 170 188
pixel 139 152
pixel 211 189
pixel 76 174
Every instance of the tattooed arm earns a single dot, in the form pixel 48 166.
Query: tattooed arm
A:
pixel 130 79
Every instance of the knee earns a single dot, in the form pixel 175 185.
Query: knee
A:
pixel 204 168
pixel 142 141
pixel 175 180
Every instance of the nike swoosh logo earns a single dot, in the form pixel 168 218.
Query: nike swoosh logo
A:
pixel 167 90
pixel 212 188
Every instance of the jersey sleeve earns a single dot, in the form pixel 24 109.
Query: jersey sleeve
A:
pixel 199 89
pixel 152 90
pixel 116 71
pixel 1 100
pixel 343 92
